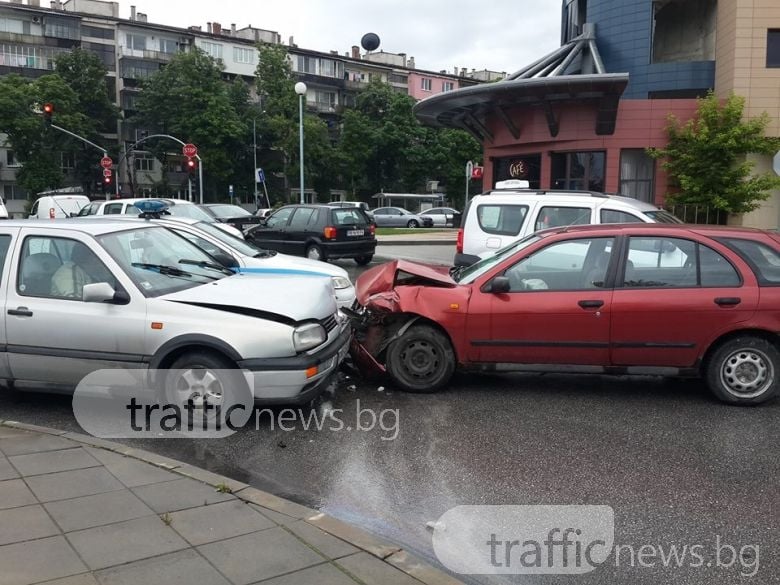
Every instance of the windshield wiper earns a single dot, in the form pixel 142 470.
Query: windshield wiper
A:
pixel 162 269
pixel 209 265
pixel 456 271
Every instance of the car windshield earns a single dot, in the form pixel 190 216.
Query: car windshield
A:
pixel 229 211
pixel 662 216
pixel 404 212
pixel 191 211
pixel 243 247
pixel 160 262
pixel 471 273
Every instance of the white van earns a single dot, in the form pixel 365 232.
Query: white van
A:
pixel 3 209
pixel 510 212
pixel 58 206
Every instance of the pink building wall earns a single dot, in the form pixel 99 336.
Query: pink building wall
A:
pixel 437 84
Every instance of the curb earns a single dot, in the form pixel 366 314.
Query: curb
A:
pixel 392 554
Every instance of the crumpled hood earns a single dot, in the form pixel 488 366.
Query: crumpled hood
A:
pixel 296 298
pixel 283 264
pixel 385 277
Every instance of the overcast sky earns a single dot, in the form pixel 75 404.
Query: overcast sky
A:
pixel 500 35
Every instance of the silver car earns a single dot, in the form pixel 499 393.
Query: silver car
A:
pixel 85 296
pixel 399 217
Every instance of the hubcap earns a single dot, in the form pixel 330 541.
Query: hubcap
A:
pixel 421 359
pixel 199 385
pixel 747 373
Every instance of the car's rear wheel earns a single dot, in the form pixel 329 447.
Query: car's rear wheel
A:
pixel 364 260
pixel 421 360
pixel 314 252
pixel 744 370
pixel 413 224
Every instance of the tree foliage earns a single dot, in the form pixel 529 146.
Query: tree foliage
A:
pixel 706 157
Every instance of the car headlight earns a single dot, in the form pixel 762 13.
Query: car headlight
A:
pixel 340 283
pixel 308 336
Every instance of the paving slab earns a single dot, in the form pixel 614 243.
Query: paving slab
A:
pixel 371 571
pixel 419 569
pixel 7 471
pixel 276 517
pixel 8 432
pixel 33 443
pixel 181 494
pixel 356 536
pixel 38 560
pixel 324 543
pixel 53 461
pixel 83 579
pixel 129 471
pixel 67 485
pixel 125 542
pixel 218 522
pixel 28 523
pixel 14 493
pixel 319 575
pixel 97 510
pixel 261 555
pixel 181 568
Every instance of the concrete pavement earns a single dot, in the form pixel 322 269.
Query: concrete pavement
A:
pixel 75 510
pixel 421 237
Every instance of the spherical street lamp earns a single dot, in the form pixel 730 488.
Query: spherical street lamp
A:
pixel 300 89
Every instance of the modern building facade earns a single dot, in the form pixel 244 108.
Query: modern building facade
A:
pixel 583 116
pixel 133 48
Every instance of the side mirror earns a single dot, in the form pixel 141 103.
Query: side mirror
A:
pixel 102 292
pixel 226 260
pixel 499 285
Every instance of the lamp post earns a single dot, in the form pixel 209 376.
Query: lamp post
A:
pixel 300 89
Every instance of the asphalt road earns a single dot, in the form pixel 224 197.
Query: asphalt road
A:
pixel 677 467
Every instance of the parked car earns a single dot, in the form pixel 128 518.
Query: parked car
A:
pixel 399 217
pixel 443 216
pixel 244 257
pixel 57 206
pixel 175 207
pixel 92 295
pixel 318 232
pixel 234 215
pixel 507 214
pixel 614 299
pixel 3 210
pixel 359 204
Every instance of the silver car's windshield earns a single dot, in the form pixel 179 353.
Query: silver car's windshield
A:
pixel 471 273
pixel 237 244
pixel 160 262
pixel 191 211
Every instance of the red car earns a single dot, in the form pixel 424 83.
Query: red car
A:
pixel 616 299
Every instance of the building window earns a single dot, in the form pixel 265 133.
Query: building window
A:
pixel 11 25
pixel 307 65
pixel 62 28
pixel 13 192
pixel 395 78
pixel 136 69
pixel 582 171
pixel 97 33
pixel 144 162
pixel 11 159
pixel 241 55
pixel 447 86
pixel 637 170
pixel 426 84
pixel 67 161
pixel 773 48
pixel 136 42
pixel 212 49
pixel 169 46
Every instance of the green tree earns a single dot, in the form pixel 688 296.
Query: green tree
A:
pixel 706 157
pixel 189 99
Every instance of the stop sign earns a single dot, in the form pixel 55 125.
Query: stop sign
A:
pixel 106 162
pixel 189 150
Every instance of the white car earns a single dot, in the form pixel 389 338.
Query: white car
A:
pixel 249 259
pixel 442 216
pixel 58 206
pixel 84 296
pixel 176 207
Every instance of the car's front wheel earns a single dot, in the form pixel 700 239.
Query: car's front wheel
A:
pixel 314 252
pixel 744 371
pixel 413 224
pixel 364 260
pixel 421 360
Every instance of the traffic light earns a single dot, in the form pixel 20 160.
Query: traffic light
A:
pixel 191 165
pixel 48 110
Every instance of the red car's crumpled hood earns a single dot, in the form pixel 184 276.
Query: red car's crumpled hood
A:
pixel 384 278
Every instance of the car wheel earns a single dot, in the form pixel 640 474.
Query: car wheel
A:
pixel 314 252
pixel 421 360
pixel 205 377
pixel 364 260
pixel 744 371
pixel 413 224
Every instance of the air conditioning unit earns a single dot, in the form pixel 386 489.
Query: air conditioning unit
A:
pixel 36 20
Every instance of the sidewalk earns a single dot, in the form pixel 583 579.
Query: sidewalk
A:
pixel 421 238
pixel 75 510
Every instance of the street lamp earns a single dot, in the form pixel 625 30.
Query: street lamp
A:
pixel 300 89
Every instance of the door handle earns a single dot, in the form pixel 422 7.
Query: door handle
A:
pixel 728 301
pixel 20 312
pixel 591 304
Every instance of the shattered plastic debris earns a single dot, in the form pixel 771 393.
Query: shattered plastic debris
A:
pixel 380 389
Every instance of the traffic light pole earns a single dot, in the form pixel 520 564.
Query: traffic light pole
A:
pixel 77 137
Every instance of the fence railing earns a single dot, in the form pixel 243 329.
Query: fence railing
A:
pixel 700 214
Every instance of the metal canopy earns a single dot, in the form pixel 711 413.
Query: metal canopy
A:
pixel 572 73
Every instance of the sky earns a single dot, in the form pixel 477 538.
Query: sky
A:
pixel 499 35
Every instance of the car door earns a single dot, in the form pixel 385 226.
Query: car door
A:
pixel 272 234
pixel 8 238
pixel 557 311
pixel 382 217
pixel 675 295
pixel 54 337
pixel 300 230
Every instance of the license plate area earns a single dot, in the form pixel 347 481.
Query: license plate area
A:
pixel 355 233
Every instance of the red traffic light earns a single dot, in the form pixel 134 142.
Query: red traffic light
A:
pixel 191 164
pixel 48 109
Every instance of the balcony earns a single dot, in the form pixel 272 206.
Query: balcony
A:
pixel 350 84
pixel 145 55
pixel 319 80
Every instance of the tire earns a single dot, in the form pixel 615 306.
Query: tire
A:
pixel 744 371
pixel 413 224
pixel 364 260
pixel 314 252
pixel 205 376
pixel 421 360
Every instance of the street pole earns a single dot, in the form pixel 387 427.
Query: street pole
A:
pixel 254 151
pixel 300 89
pixel 200 176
